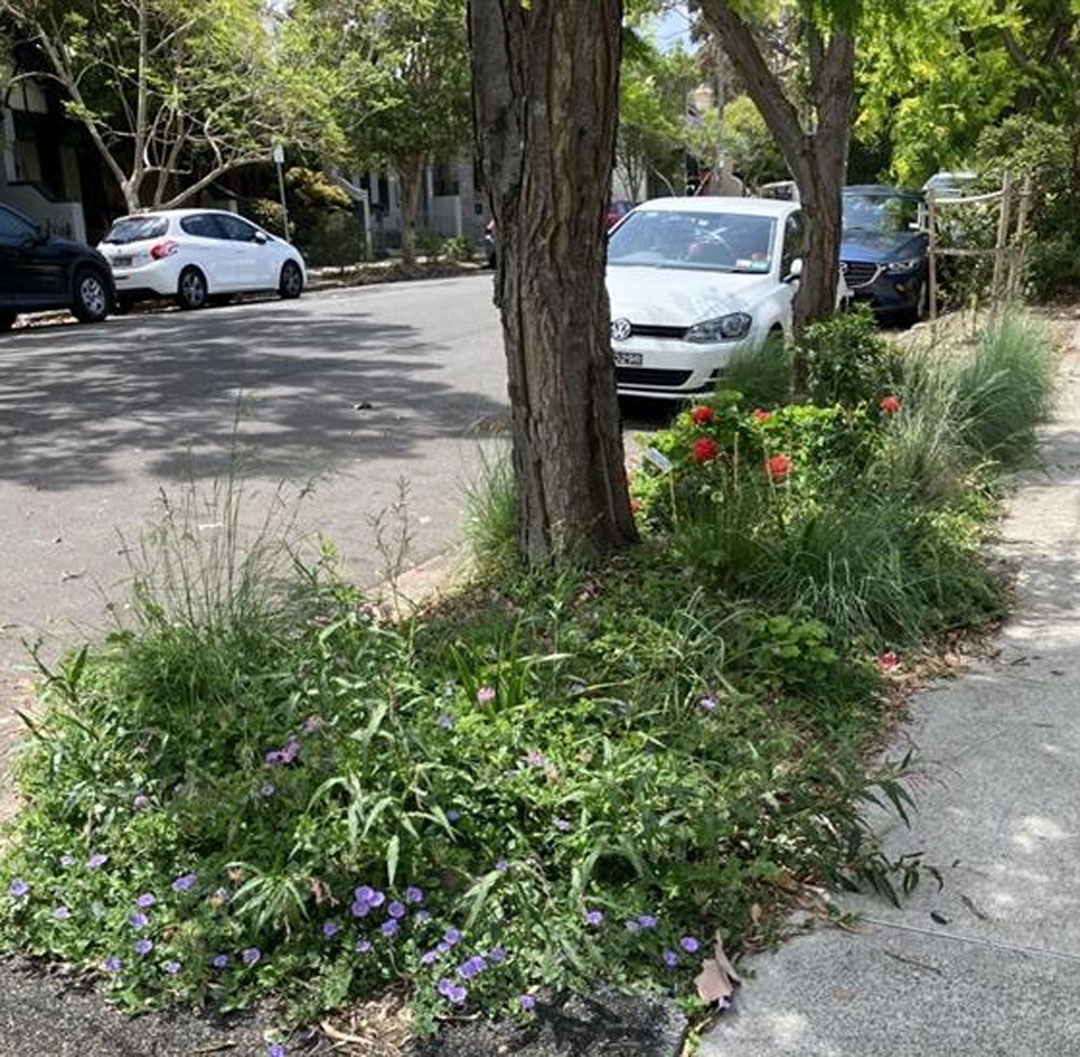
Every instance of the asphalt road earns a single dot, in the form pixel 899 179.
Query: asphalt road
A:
pixel 348 390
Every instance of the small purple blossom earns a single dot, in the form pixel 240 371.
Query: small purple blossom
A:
pixel 562 825
pixel 689 944
pixel 422 917
pixel 502 866
pixel 144 946
pixel 61 913
pixel 275 758
pixel 707 703
pixel 112 964
pixel 632 925
pixel 171 967
pixel 145 901
pixel 396 910
pixel 444 985
pixel 671 959
pixel 377 898
pixel 446 721
pixel 496 955
pixel 363 946
pixel 330 929
pixel 429 957
pixel 291 751
pixel 250 955
pixel 390 928
pixel 414 894
pixel 452 936
pixel 18 888
pixel 527 1002
pixel 141 802
pixel 185 883
pixel 360 909
pixel 220 961
pixel 468 969
pixel 275 1049
pixel 364 894
pixel 647 921
pixel 67 861
pixel 267 790
pixel 96 861
pixel 457 995
pixel 453 815
pixel 138 920
pixel 485 695
pixel 443 947
pixel 594 918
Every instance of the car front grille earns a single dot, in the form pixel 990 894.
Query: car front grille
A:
pixel 860 273
pixel 647 378
pixel 648 330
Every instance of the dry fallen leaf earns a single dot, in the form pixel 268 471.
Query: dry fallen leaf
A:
pixel 717 979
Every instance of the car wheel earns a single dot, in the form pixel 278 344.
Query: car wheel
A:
pixel 91 301
pixel 7 321
pixel 191 289
pixel 291 283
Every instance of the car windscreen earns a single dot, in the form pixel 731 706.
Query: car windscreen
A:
pixel 664 238
pixel 880 212
pixel 134 229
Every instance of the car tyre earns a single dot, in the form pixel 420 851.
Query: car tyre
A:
pixel 92 296
pixel 191 292
pixel 7 321
pixel 291 283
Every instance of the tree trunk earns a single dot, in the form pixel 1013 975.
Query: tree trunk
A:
pixel 545 96
pixel 410 174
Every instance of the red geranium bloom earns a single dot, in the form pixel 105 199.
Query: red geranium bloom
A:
pixel 762 415
pixel 705 449
pixel 890 404
pixel 777 467
pixel 702 416
pixel 886 662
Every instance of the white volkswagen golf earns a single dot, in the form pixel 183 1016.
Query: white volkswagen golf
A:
pixel 196 255
pixel 692 281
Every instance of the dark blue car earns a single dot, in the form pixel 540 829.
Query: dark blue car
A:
pixel 883 252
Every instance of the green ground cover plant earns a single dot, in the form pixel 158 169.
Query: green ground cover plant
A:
pixel 261 786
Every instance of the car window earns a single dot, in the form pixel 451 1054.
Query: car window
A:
pixel 203 226
pixel 13 227
pixel 730 242
pixel 886 213
pixel 236 229
pixel 793 242
pixel 135 229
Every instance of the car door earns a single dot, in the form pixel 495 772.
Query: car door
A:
pixel 32 269
pixel 247 258
pixel 206 247
pixel 791 250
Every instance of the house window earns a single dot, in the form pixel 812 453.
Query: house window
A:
pixel 444 180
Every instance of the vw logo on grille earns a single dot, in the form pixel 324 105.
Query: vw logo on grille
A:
pixel 621 329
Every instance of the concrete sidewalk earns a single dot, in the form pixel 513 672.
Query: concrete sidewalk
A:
pixel 991 963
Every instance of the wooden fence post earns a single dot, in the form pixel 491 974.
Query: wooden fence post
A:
pixel 1002 235
pixel 1016 258
pixel 931 250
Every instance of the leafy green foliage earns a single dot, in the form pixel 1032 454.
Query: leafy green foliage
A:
pixel 749 145
pixel 847 361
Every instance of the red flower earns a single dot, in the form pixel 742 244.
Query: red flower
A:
pixel 705 449
pixel 762 415
pixel 777 467
pixel 886 662
pixel 702 416
pixel 890 404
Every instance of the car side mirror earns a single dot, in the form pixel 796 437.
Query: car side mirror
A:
pixel 795 271
pixel 260 238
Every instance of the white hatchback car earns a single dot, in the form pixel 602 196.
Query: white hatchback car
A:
pixel 195 255
pixel 692 281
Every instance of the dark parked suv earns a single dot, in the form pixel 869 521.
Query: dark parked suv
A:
pixel 38 271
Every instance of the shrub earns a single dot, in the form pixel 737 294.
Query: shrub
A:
pixel 847 360
pixel 457 249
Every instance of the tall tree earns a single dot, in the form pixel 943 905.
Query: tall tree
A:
pixel 545 97
pixel 173 95
pixel 813 133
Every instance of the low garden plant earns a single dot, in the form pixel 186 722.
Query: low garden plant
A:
pixel 262 786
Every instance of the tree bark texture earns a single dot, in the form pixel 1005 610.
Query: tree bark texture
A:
pixel 817 157
pixel 410 176
pixel 545 98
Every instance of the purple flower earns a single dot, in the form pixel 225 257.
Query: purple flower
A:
pixel 138 920
pixel 141 802
pixel 468 969
pixel 452 936
pixel 485 695
pixel 61 913
pixel 396 910
pixel 96 861
pixel 502 866
pixel 446 721
pixel 377 898
pixel 360 909
pixel 171 967
pixel 67 861
pixel 275 758
pixel 422 917
pixel 414 894
pixel 363 946
pixel 526 1002
pixel 444 985
pixel 632 925
pixel 220 961
pixel 562 825
pixel 291 750
pixel 364 894
pixel 453 815
pixel 113 964
pixel 457 995
pixel 144 946
pixel 594 918
pixel 18 889
pixel 707 703
pixel 671 959
pixel 443 947
pixel 330 929
pixel 275 1049
pixel 647 921
pixel 267 790
pixel 429 957
pixel 689 944
pixel 498 954
pixel 146 900
pixel 390 928
pixel 185 883
pixel 250 955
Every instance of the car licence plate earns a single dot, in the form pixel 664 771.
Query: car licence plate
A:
pixel 628 359
pixel 122 262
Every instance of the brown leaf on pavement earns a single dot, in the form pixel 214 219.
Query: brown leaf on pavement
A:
pixel 717 979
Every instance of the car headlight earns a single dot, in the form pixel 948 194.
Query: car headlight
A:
pixel 725 328
pixel 902 267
